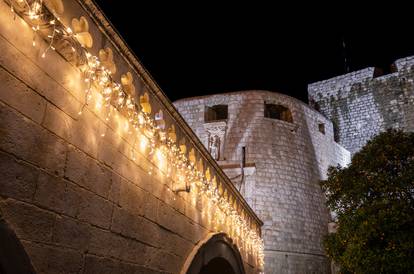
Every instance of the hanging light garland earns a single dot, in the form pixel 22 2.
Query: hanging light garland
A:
pixel 162 148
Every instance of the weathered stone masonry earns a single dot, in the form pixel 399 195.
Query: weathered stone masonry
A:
pixel 284 163
pixel 71 190
pixel 361 105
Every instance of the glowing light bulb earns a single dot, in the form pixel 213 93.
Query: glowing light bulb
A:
pixel 126 126
pixel 104 79
pixel 107 90
pixel 143 143
pixel 98 104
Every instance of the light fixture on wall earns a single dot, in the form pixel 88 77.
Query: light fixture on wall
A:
pixel 185 188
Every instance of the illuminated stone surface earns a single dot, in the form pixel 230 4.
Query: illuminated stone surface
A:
pixel 284 163
pixel 362 105
pixel 77 189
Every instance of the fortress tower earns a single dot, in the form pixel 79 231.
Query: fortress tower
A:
pixel 363 103
pixel 285 148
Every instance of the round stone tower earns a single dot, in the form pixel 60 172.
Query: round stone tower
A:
pixel 275 149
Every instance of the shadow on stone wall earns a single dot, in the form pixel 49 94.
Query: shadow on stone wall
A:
pixel 13 257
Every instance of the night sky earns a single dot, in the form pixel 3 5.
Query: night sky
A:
pixel 192 51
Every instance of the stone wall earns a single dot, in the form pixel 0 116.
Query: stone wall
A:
pixel 75 190
pixel 284 163
pixel 362 105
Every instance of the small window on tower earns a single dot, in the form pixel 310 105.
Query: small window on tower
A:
pixel 321 128
pixel 278 112
pixel 215 113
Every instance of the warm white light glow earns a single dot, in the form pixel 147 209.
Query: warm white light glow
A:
pixel 161 161
pixel 152 141
pixel 98 103
pixel 143 143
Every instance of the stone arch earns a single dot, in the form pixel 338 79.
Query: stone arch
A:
pixel 215 254
pixel 13 257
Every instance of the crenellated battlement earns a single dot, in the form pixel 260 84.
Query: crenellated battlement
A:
pixel 344 82
pixel 404 63
pixel 340 85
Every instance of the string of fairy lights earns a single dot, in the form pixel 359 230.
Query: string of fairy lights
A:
pixel 159 144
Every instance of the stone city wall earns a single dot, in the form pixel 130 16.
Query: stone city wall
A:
pixel 81 192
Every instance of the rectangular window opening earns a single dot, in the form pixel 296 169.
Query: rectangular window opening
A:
pixel 216 113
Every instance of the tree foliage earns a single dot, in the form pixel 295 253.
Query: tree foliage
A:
pixel 373 199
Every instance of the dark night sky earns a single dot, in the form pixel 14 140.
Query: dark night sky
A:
pixel 209 49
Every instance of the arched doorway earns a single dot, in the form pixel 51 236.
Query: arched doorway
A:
pixel 13 257
pixel 217 265
pixel 216 255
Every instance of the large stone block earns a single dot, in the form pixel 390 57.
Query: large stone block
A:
pixel 100 265
pixel 51 259
pixel 174 244
pixel 107 244
pixel 150 210
pixel 59 123
pixel 124 166
pixel 165 261
pixel 89 129
pixel 115 188
pixel 71 233
pixel 132 198
pixel 178 223
pixel 51 193
pixel 18 178
pixel 94 209
pixel 86 172
pixel 136 227
pixel 168 217
pixel 136 252
pixel 28 222
pixel 20 97
pixel 18 134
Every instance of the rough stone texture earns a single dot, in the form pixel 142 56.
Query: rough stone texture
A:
pixel 285 162
pixel 76 200
pixel 362 105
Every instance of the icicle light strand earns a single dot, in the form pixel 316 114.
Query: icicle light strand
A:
pixel 161 147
